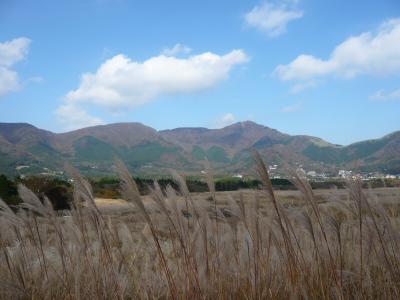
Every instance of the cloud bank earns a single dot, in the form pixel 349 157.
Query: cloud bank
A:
pixel 224 120
pixel 370 53
pixel 11 52
pixel 73 117
pixel 121 83
pixel 272 19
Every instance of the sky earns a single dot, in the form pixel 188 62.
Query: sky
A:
pixel 329 69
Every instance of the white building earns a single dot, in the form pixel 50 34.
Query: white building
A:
pixel 312 173
pixel 238 176
pixel 344 173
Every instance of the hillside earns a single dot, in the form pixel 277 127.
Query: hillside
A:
pixel 27 149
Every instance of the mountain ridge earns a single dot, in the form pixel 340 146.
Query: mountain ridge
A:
pixel 148 151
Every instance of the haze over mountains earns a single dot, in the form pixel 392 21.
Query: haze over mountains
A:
pixel 27 149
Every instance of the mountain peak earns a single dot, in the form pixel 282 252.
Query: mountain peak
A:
pixel 22 132
pixel 14 126
pixel 122 134
pixel 121 125
pixel 245 124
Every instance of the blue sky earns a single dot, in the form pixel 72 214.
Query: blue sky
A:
pixel 324 68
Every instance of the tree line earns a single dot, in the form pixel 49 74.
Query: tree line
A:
pixel 59 191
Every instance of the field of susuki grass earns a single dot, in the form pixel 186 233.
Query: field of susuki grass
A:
pixel 339 244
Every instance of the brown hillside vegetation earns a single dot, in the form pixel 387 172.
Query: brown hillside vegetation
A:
pixel 148 151
pixel 173 244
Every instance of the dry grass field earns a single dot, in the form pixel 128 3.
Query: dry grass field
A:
pixel 287 198
pixel 305 244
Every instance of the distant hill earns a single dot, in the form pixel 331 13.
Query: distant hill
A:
pixel 27 149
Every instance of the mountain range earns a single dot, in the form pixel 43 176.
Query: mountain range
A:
pixel 27 149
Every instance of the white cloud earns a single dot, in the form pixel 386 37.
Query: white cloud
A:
pixel 368 53
pixel 73 117
pixel 11 52
pixel 224 120
pixel 272 19
pixel 381 95
pixel 292 108
pixel 8 81
pixel 121 82
pixel 176 50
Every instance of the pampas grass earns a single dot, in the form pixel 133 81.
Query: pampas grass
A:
pixel 181 248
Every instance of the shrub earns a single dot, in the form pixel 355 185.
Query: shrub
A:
pixel 59 192
pixel 8 191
